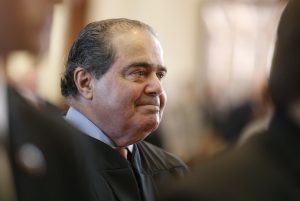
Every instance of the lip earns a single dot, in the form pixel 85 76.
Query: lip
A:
pixel 150 108
pixel 149 102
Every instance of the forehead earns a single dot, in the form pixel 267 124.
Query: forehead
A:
pixel 137 43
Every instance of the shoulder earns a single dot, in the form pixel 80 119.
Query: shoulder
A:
pixel 254 154
pixel 158 158
pixel 60 149
pixel 247 169
pixel 231 170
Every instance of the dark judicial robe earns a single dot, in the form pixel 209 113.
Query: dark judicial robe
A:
pixel 266 168
pixel 46 154
pixel 117 179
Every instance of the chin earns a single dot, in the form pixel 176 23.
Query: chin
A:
pixel 143 132
pixel 146 125
pixel 150 126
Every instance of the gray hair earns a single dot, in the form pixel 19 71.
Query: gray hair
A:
pixel 93 51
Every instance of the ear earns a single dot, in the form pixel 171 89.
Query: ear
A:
pixel 84 83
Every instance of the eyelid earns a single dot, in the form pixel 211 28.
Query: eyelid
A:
pixel 142 70
pixel 138 70
pixel 145 65
pixel 138 73
pixel 161 74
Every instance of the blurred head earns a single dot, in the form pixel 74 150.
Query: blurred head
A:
pixel 284 83
pixel 25 25
pixel 114 77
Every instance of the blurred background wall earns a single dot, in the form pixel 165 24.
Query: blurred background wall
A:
pixel 218 54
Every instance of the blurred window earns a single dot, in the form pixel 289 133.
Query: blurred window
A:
pixel 239 41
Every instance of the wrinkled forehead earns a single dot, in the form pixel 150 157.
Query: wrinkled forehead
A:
pixel 137 41
pixel 134 35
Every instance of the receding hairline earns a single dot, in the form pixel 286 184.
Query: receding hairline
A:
pixel 122 25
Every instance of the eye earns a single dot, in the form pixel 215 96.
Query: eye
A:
pixel 161 74
pixel 140 73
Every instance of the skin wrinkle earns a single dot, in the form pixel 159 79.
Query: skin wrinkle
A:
pixel 127 102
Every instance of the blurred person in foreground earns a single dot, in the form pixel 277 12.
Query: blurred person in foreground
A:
pixel 113 84
pixel 39 152
pixel 267 166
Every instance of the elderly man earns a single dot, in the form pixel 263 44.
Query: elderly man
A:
pixel 113 84
pixel 39 152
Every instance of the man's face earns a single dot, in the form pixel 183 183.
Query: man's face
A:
pixel 128 101
pixel 25 24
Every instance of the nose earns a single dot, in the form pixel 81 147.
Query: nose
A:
pixel 154 86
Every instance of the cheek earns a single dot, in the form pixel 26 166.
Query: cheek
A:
pixel 163 100
pixel 125 97
pixel 131 97
pixel 131 92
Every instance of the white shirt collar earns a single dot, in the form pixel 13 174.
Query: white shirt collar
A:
pixel 81 122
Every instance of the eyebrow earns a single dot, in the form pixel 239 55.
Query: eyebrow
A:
pixel 145 65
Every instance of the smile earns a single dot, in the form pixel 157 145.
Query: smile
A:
pixel 150 109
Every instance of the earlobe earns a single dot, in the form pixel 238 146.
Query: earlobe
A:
pixel 84 83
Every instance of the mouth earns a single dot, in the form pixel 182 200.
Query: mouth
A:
pixel 150 106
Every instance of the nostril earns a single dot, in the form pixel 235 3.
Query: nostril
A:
pixel 153 94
